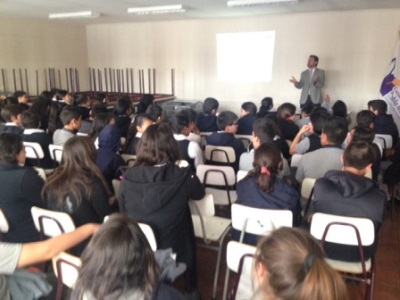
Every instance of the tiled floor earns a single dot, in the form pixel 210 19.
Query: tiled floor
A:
pixel 387 282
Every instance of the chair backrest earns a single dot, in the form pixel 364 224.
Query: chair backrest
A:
pixel 34 151
pixel 204 207
pixel 387 140
pixel 259 221
pixel 129 159
pixel 148 232
pixel 203 142
pixel 295 162
pixel 216 175
pixel 220 154
pixel 246 139
pixel 56 152
pixel 342 230
pixel 116 184
pixel 41 173
pixel 4 226
pixel 66 267
pixel 241 174
pixel 182 163
pixel 307 186
pixel 239 259
pixel 51 223
pixel 82 134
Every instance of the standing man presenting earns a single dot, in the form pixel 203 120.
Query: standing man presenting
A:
pixel 311 82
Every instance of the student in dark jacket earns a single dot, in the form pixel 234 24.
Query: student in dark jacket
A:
pixel 156 192
pixel 139 125
pixel 262 188
pixel 247 117
pixel 11 114
pixel 267 104
pixel 20 190
pixel 207 120
pixel 285 119
pixel 108 158
pixel 227 124
pixel 122 112
pixel 349 193
pixel 32 133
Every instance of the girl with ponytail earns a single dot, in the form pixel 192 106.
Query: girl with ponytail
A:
pixel 262 188
pixel 289 264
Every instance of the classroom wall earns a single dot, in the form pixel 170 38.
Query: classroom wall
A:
pixel 36 45
pixel 355 48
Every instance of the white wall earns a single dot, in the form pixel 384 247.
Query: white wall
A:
pixel 355 48
pixel 36 45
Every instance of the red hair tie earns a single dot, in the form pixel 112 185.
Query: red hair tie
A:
pixel 264 170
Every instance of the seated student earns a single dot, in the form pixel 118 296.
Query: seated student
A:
pixel 32 133
pixel 290 264
pixel 20 190
pixel 309 137
pixel 100 121
pixel 156 191
pixel 64 99
pixel 77 187
pixel 121 243
pixel 285 119
pixel 154 112
pixel 72 119
pixel 349 193
pixel 138 126
pixel 194 134
pixel 84 103
pixel 364 134
pixel 262 188
pixel 108 158
pixel 190 151
pixel 304 116
pixel 384 123
pixel 13 256
pixel 54 118
pixel 22 98
pixel 207 120
pixel 122 112
pixel 41 107
pixel 11 114
pixel 247 117
pixel 227 124
pixel 315 164
pixel 144 102
pixel 339 109
pixel 366 118
pixel 267 104
pixel 263 131
pixel 87 124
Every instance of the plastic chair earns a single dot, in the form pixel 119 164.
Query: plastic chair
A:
pixel 246 140
pixel 386 139
pixel 4 226
pixel 41 172
pixel 129 159
pixel 218 176
pixel 51 223
pixel 56 153
pixel 239 259
pixel 295 162
pixel 209 228
pixel 66 268
pixel 148 232
pixel 307 193
pixel 116 184
pixel 241 174
pixel 348 231
pixel 182 163
pixel 34 151
pixel 220 154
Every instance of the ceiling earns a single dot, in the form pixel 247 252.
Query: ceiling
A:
pixel 116 10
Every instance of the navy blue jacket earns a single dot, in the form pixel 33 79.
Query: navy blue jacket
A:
pixel 207 122
pixel 384 124
pixel 246 124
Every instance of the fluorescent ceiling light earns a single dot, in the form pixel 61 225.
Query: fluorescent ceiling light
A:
pixel 243 3
pixel 163 9
pixel 73 15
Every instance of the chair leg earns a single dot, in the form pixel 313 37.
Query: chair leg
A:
pixel 220 243
pixel 370 288
pixel 59 288
pixel 226 283
pixel 393 201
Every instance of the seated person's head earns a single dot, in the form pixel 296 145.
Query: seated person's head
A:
pixel 267 104
pixel 210 106
pixel 157 146
pixel 286 111
pixel 21 97
pixel 82 99
pixel 318 119
pixel 289 264
pixel 378 107
pixel 154 111
pixel 100 121
pixel 339 109
pixel 97 109
pixel 366 118
pixel 30 120
pixel 180 123
pixel 306 110
pixel 123 106
pixel 248 108
pixel 227 121
pixel 79 152
pixel 71 118
pixel 334 131
pixel 359 133
pixel 12 150
pixel 65 96
pixel 192 115
pixel 120 258
pixel 140 123
pixel 12 114
pixel 264 130
pixel 358 157
pixel 267 164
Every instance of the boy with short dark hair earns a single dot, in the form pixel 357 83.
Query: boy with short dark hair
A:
pixel 207 120
pixel 247 117
pixel 384 123
pixel 11 114
pixel 71 118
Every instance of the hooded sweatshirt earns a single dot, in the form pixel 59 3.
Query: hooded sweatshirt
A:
pixel 346 194
pixel 159 196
